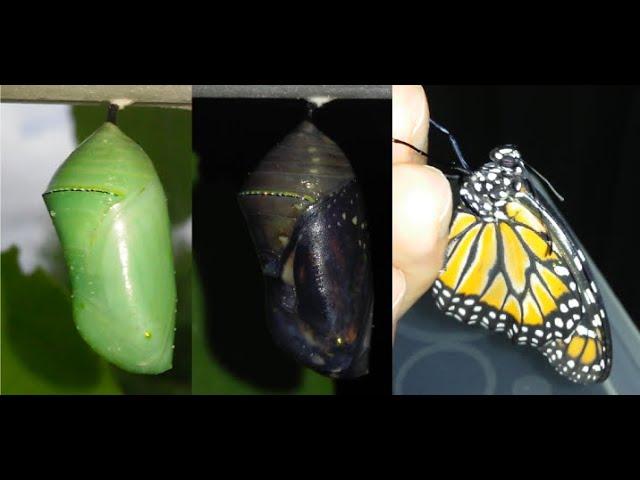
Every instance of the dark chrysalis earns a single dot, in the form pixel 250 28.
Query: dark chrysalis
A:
pixel 306 216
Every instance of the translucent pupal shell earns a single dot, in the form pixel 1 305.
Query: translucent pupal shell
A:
pixel 306 216
pixel 110 213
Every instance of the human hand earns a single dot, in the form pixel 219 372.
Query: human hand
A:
pixel 421 203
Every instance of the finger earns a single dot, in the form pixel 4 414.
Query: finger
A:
pixel 410 123
pixel 421 217
pixel 399 291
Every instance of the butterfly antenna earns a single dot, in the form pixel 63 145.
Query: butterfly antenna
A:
pixel 454 143
pixel 547 183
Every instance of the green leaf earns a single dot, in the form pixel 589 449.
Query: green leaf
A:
pixel 42 353
pixel 165 135
pixel 210 378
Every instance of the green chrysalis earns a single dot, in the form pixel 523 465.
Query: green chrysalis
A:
pixel 110 213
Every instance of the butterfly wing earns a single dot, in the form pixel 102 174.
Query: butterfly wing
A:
pixel 520 272
pixel 585 355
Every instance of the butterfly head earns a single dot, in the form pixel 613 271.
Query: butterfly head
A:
pixel 508 159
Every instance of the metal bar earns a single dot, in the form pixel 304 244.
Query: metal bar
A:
pixel 174 96
pixel 293 91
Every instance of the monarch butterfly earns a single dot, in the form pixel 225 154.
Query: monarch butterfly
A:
pixel 513 266
pixel 110 213
pixel 306 215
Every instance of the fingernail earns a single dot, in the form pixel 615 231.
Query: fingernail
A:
pixel 443 188
pixel 399 287
pixel 445 219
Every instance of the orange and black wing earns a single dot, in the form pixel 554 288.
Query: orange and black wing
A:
pixel 516 274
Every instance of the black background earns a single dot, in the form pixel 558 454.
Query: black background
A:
pixel 231 137
pixel 584 139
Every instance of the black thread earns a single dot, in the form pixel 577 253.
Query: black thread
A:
pixel 112 113
pixel 395 140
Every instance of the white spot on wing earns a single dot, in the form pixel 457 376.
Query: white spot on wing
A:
pixel 560 270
